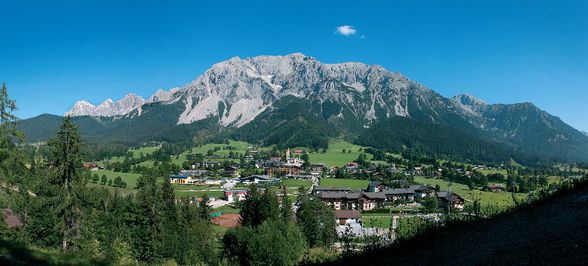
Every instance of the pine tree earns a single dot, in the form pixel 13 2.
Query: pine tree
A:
pixel 269 207
pixel 67 175
pixel 286 210
pixel 259 207
pixel 249 207
pixel 204 208
pixel 11 158
pixel 146 230
pixel 316 222
pixel 167 221
pixel 7 117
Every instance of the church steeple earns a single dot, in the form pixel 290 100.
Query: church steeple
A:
pixel 288 154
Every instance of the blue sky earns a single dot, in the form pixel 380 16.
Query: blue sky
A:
pixel 53 53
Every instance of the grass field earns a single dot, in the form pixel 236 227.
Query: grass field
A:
pixel 296 183
pixel 145 150
pixel 136 153
pixel 349 183
pixel 377 220
pixel 113 190
pixel 335 156
pixel 199 193
pixel 493 171
pixel 227 209
pixel 240 148
pixel 498 199
pixel 129 178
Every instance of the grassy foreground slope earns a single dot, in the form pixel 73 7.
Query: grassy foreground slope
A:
pixel 552 231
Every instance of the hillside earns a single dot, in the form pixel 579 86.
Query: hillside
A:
pixel 398 134
pixel 550 232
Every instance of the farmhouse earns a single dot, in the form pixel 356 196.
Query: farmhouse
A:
pixel 399 194
pixel 284 169
pixel 258 179
pixel 92 167
pixel 446 198
pixel 235 195
pixel 307 177
pixel 211 164
pixel 334 199
pixel 371 200
pixel 375 186
pixel 345 217
pixel 231 171
pixel 353 200
pixel 421 191
pixel 193 173
pixel 318 190
pixel 182 179
pixel 316 168
pixel 496 187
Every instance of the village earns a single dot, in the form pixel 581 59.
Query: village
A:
pixel 354 208
pixel 370 192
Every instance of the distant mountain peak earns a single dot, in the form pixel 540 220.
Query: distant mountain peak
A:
pixel 468 103
pixel 468 99
pixel 162 95
pixel 108 108
pixel 125 105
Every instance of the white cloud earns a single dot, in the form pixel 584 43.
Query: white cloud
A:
pixel 346 30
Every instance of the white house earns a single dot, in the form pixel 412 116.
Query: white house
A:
pixel 235 195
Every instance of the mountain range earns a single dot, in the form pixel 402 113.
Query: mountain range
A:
pixel 295 100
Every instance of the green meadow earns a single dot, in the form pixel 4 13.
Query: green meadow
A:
pixel 497 199
pixel 335 156
pixel 129 178
pixel 348 183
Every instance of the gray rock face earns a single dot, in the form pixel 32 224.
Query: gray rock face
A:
pixel 107 108
pixel 243 88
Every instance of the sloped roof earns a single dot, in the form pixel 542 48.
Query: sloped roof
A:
pixel 398 191
pixel 332 195
pixel 347 214
pixel 374 195
pixel 445 195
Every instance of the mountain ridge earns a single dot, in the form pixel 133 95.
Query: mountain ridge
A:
pixel 347 98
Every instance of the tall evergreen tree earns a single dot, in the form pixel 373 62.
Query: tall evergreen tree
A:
pixel 316 222
pixel 249 207
pixel 67 176
pixel 11 158
pixel 286 210
pixel 146 225
pixel 167 221
pixel 204 208
pixel 7 117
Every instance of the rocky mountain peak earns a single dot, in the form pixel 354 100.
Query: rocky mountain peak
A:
pixel 237 90
pixel 162 95
pixel 108 108
pixel 470 104
pixel 467 99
